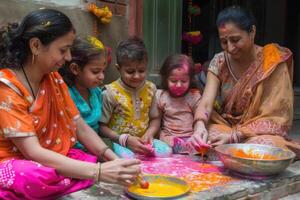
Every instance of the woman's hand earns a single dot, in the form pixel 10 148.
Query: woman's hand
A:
pixel 200 134
pixel 137 145
pixel 219 139
pixel 198 140
pixel 120 171
pixel 195 142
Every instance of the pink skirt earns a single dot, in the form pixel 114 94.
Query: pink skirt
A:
pixel 24 179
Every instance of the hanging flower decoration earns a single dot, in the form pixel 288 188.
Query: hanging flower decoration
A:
pixel 193 37
pixel 194 10
pixel 104 14
pixel 99 45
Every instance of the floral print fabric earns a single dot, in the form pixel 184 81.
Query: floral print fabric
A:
pixel 25 179
pixel 51 117
pixel 127 110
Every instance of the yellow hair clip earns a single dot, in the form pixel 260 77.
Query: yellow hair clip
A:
pixel 95 42
pixel 46 24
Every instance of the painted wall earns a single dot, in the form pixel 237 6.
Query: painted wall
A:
pixel 162 32
pixel 110 34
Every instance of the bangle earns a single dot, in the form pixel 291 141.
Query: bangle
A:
pixel 123 139
pixel 102 152
pixel 97 171
pixel 125 143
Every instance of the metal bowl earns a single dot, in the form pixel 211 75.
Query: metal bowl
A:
pixel 255 166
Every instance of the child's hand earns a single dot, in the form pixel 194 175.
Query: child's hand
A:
pixel 137 145
pixel 147 139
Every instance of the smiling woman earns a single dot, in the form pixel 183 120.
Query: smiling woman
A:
pixel 255 85
pixel 39 122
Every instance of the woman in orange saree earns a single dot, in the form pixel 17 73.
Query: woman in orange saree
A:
pixel 255 86
pixel 39 122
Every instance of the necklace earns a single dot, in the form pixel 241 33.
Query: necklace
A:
pixel 230 68
pixel 28 82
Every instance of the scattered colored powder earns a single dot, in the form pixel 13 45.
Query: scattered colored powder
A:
pixel 177 165
pixel 202 150
pixel 252 155
pixel 204 181
pixel 200 176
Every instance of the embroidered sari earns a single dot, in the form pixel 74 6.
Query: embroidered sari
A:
pixel 258 107
pixel 52 119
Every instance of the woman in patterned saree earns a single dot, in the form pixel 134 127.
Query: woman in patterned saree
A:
pixel 255 86
pixel 40 123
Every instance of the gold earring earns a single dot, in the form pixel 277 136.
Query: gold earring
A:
pixel 32 59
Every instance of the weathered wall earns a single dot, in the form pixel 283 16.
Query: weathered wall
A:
pixel 110 34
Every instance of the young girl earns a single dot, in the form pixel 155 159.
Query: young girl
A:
pixel 127 113
pixel 176 104
pixel 84 74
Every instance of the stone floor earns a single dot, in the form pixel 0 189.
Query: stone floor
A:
pixel 286 186
pixel 292 197
pixel 295 134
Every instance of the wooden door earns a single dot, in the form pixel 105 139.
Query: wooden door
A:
pixel 161 31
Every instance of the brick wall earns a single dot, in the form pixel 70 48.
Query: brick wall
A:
pixel 118 7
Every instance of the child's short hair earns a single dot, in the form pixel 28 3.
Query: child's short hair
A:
pixel 173 62
pixel 131 50
pixel 82 51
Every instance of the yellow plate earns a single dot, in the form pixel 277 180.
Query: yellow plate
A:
pixel 160 186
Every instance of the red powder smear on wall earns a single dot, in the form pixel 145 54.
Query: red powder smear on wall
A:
pixel 252 155
pixel 200 176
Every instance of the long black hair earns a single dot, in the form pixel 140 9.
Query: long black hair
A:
pixel 45 24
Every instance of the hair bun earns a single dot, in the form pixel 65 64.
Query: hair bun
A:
pixel 9 27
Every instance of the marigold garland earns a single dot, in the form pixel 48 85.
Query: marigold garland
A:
pixel 104 14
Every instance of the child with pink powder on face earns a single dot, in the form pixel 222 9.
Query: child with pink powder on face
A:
pixel 176 103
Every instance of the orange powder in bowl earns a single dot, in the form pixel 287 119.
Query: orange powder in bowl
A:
pixel 252 155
